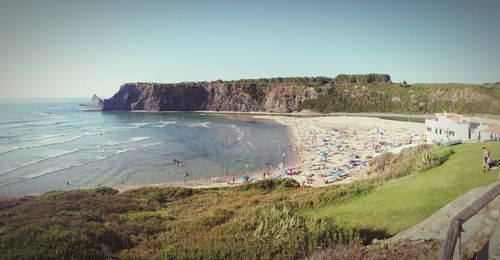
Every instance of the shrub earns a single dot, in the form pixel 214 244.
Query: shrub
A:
pixel 66 195
pixel 274 222
pixel 408 161
pixel 104 191
pixel 271 184
pixel 220 216
pixel 432 158
pixel 145 215
pixel 167 194
pixel 87 215
pixel 54 241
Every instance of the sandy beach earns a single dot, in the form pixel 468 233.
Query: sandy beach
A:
pixel 329 150
pixel 336 150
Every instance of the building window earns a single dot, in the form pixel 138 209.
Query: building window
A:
pixel 451 133
pixel 440 131
pixel 429 129
pixel 436 130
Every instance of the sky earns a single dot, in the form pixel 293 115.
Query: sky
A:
pixel 54 49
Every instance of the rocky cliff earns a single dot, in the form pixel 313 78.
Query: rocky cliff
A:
pixel 344 93
pixel 244 96
pixel 95 101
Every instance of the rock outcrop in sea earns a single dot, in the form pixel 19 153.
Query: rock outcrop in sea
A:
pixel 95 101
pixel 212 96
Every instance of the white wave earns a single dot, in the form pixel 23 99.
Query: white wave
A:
pixel 43 172
pixel 164 123
pixel 56 155
pixel 113 153
pixel 137 125
pixel 239 133
pixel 9 182
pixel 168 122
pixel 45 137
pixel 152 144
pixel 201 125
pixel 93 133
pixel 7 149
pixel 52 170
pixel 14 122
pixel 122 151
pixel 130 140
pixel 43 123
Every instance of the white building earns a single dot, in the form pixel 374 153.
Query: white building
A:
pixel 447 127
pixel 491 132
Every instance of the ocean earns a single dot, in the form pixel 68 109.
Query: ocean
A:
pixel 57 144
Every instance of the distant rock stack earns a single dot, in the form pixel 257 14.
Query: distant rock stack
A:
pixel 95 101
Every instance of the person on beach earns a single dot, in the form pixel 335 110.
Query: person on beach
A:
pixel 486 158
pixel 177 162
pixel 185 177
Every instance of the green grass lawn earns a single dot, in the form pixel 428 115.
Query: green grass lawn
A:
pixel 404 202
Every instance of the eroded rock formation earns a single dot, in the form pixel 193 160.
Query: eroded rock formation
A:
pixel 213 96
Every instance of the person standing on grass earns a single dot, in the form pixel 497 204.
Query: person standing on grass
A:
pixel 486 157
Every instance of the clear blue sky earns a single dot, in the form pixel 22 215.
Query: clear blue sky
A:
pixel 75 49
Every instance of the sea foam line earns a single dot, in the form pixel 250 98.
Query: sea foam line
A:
pixel 40 160
pixel 201 125
pixel 8 149
pixel 42 173
pixel 130 140
pixel 42 137
pixel 61 168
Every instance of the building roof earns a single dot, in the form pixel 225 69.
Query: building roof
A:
pixel 453 117
pixel 495 129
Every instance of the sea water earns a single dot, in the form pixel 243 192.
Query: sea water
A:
pixel 57 144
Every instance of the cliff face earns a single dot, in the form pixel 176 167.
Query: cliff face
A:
pixel 214 96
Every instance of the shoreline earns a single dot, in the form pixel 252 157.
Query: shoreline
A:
pixel 348 131
pixel 299 127
pixel 302 158
pixel 419 118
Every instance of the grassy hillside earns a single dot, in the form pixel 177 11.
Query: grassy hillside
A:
pixel 376 93
pixel 404 202
pixel 400 98
pixel 269 219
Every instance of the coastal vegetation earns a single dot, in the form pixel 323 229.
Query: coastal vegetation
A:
pixel 404 98
pixel 266 219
